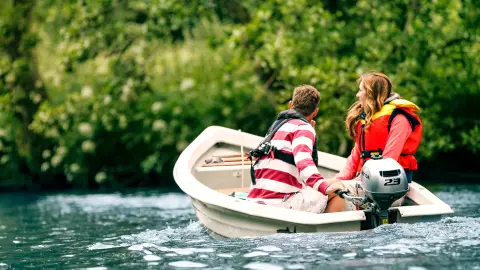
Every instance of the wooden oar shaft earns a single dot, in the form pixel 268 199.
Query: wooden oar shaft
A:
pixel 239 158
pixel 234 163
pixel 228 156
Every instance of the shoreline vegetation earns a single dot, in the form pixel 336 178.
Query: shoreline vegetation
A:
pixel 106 94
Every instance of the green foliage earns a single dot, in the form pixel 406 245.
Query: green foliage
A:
pixel 110 92
pixel 119 134
pixel 430 50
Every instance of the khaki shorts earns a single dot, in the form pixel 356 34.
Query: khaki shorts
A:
pixel 308 200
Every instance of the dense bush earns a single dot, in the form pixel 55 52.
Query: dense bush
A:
pixel 124 132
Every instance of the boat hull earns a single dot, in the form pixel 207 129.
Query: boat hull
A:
pixel 231 224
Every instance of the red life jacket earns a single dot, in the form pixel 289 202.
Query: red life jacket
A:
pixel 372 142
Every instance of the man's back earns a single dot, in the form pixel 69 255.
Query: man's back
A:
pixel 275 178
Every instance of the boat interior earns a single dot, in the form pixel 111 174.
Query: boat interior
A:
pixel 223 169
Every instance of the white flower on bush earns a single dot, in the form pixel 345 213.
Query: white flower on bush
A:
pixel 45 166
pixel 70 108
pixel 187 83
pixel 87 91
pixel 36 97
pixel 46 153
pixel 43 116
pixel 293 72
pixel 107 99
pixel 159 125
pixel 184 55
pixel 127 91
pixel 139 59
pixel 52 133
pixel 10 78
pixel 181 145
pixel 122 121
pixel 38 83
pixel 88 146
pixel 237 33
pixel 74 168
pixel 100 177
pixel 177 111
pixel 102 65
pixel 85 129
pixel 4 159
pixel 63 116
pixel 156 106
pixel 56 160
pixel 61 150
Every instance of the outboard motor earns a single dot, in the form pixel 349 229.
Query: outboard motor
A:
pixel 383 181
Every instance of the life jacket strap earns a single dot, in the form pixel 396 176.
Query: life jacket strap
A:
pixel 264 150
pixel 411 119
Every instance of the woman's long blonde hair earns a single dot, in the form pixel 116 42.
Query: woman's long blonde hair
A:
pixel 378 88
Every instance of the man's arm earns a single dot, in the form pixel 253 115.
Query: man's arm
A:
pixel 302 146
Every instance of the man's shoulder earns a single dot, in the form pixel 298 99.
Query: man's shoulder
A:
pixel 301 125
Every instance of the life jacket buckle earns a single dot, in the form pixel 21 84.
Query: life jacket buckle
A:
pixel 373 154
pixel 376 155
pixel 265 148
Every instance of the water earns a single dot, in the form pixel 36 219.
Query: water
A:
pixel 159 230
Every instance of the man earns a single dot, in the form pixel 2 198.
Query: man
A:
pixel 285 172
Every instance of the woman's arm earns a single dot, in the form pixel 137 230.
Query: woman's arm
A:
pixel 399 133
pixel 348 172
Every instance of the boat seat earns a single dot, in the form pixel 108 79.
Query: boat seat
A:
pixel 226 160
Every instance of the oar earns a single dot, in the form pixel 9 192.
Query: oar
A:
pixel 234 163
pixel 228 156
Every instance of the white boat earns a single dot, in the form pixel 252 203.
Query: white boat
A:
pixel 210 187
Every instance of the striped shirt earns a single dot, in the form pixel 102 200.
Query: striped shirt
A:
pixel 275 178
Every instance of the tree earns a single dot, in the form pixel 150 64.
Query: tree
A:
pixel 21 88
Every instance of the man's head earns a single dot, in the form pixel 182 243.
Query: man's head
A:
pixel 305 100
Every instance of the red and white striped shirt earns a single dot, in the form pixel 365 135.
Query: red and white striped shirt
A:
pixel 276 178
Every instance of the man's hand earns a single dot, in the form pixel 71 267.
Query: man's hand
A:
pixel 334 186
pixel 312 123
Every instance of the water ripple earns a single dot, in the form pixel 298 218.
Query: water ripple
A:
pixel 160 231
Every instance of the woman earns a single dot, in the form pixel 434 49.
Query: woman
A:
pixel 382 125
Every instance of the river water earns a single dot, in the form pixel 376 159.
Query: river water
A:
pixel 159 230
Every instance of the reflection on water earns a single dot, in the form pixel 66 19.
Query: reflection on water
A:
pixel 159 230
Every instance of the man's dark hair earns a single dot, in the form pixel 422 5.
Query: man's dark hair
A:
pixel 305 99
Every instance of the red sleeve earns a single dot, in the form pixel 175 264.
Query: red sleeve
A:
pixel 302 145
pixel 348 172
pixel 399 133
